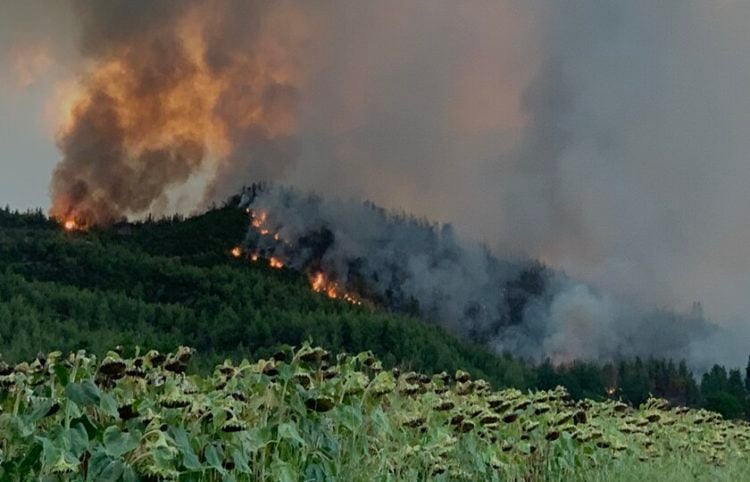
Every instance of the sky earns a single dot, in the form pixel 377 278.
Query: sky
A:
pixel 607 138
pixel 36 44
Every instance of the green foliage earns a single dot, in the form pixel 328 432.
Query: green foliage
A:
pixel 305 415
pixel 162 283
pixel 725 394
pixel 28 219
pixel 725 404
pixel 170 282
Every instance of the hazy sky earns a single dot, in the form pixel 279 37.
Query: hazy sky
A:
pixel 608 138
pixel 36 45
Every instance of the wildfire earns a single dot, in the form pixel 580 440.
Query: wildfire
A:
pixel 156 107
pixel 351 299
pixel 320 284
pixel 71 224
pixel 259 220
pixel 275 263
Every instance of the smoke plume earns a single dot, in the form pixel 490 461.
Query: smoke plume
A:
pixel 606 138
pixel 173 89
pixel 412 265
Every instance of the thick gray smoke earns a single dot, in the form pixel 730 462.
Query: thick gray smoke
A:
pixel 412 265
pixel 173 90
pixel 607 138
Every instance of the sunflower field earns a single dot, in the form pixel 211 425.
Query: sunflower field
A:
pixel 306 414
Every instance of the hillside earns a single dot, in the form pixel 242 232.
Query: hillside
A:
pixel 415 403
pixel 160 284
pixel 171 282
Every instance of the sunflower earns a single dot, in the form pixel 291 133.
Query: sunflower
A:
pixel 112 367
pixel 234 425
pixel 414 422
pixel 444 406
pixel 466 426
pixel 510 417
pixel 462 377
pixel 319 404
pixel 488 418
pixel 530 426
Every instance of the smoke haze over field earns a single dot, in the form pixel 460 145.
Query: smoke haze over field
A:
pixel 607 138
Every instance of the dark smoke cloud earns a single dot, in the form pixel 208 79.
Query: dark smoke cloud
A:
pixel 173 89
pixel 412 265
pixel 607 138
pixel 636 118
pixel 620 158
pixel 112 26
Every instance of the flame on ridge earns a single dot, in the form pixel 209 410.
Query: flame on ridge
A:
pixel 319 282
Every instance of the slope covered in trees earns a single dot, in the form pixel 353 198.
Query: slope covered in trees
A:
pixel 174 282
pixel 171 282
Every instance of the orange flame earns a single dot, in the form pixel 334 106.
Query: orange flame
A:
pixel 70 225
pixel 351 299
pixel 236 252
pixel 259 220
pixel 275 263
pixel 320 284
pixel 189 120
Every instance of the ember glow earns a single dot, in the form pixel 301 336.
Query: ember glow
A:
pixel 70 225
pixel 236 252
pixel 258 219
pixel 275 263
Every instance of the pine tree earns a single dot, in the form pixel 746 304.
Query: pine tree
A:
pixel 735 386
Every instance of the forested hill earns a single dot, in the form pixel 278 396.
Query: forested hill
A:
pixel 170 282
pixel 160 284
